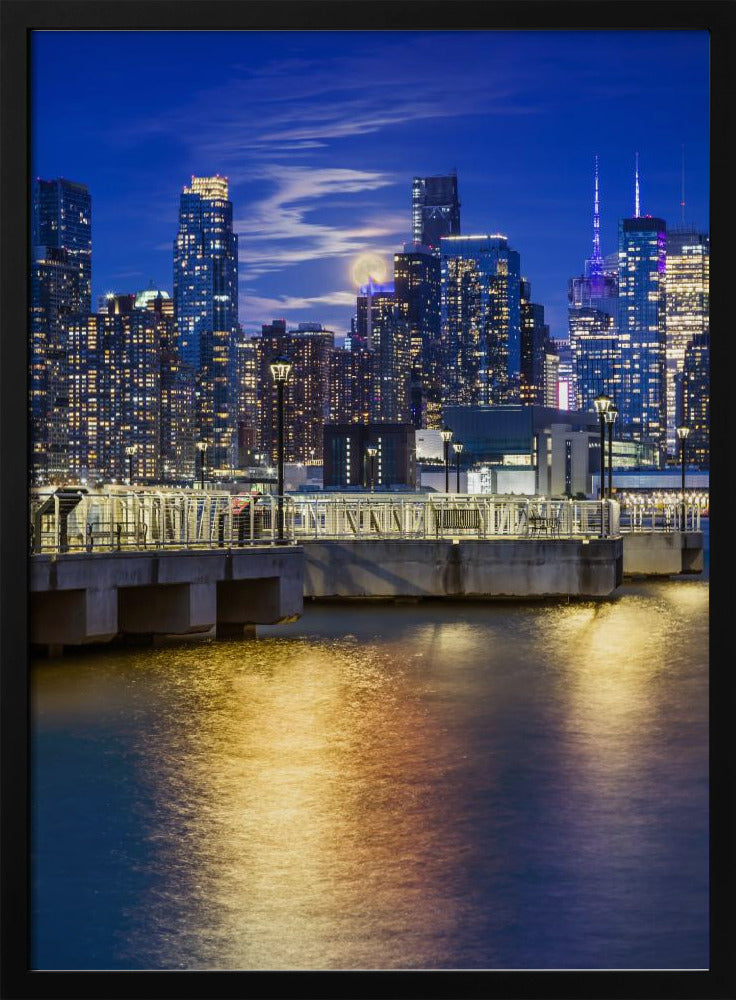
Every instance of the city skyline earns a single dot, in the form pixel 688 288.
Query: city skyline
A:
pixel 320 154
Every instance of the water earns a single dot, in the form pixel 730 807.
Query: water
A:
pixel 441 785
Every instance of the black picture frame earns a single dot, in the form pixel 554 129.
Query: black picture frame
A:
pixel 18 19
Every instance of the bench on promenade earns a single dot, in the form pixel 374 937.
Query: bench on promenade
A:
pixel 458 519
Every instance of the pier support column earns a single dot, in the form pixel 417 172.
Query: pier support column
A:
pixel 73 617
pixel 160 609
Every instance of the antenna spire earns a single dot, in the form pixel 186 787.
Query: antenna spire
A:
pixel 596 262
pixel 682 203
pixel 636 189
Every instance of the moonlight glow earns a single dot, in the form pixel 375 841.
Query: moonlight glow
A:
pixel 369 266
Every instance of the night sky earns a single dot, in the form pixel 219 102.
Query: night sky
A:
pixel 320 134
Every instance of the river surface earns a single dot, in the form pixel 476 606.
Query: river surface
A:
pixel 439 785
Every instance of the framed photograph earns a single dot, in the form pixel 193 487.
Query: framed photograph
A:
pixel 360 440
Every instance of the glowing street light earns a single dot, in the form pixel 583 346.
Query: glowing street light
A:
pixel 610 416
pixel 458 447
pixel 446 435
pixel 130 450
pixel 601 404
pixel 280 371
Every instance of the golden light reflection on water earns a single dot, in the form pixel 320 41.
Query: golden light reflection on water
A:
pixel 305 795
pixel 357 800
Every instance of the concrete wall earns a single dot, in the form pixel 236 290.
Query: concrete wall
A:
pixel 92 597
pixel 652 553
pixel 499 568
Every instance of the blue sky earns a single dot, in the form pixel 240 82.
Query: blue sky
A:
pixel 320 134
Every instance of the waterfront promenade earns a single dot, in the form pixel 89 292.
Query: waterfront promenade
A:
pixel 141 562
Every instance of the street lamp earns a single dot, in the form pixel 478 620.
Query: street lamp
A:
pixel 458 447
pixel 601 404
pixel 130 450
pixel 610 417
pixel 446 435
pixel 280 371
pixel 201 447
pixel 371 451
pixel 682 433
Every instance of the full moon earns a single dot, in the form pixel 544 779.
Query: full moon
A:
pixel 369 266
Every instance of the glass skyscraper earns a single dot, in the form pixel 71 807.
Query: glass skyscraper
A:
pixel 642 252
pixel 62 219
pixel 481 320
pixel 60 288
pixel 206 310
pixel 435 209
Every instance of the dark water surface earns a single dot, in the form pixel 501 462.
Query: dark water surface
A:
pixel 440 785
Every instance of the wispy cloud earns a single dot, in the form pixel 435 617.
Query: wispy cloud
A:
pixel 281 230
pixel 281 132
pixel 293 303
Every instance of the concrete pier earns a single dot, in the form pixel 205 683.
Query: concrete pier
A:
pixel 657 553
pixel 79 598
pixel 520 568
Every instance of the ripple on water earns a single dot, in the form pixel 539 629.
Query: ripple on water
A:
pixel 426 786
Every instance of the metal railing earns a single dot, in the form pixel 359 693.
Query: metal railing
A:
pixel 659 515
pixel 449 516
pixel 75 520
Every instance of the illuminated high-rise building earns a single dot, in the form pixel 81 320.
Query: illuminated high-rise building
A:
pixel 695 388
pixel 62 219
pixel 128 389
pixel 642 329
pixel 417 287
pixel 537 352
pixel 385 332
pixel 54 298
pixel 551 375
pixel 351 380
pixel 435 209
pixel 688 277
pixel 60 287
pixel 481 320
pixel 247 364
pixel 306 394
pixel 95 358
pixel 595 358
pixel 592 315
pixel 176 432
pixel 206 310
pixel 566 390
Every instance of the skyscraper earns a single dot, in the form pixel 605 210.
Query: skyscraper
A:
pixel 351 377
pixel 385 331
pixel 306 394
pixel 206 310
pixel 696 398
pixel 128 388
pixel 60 288
pixel 687 281
pixel 481 320
pixel 593 298
pixel 537 351
pixel 642 329
pixel 435 209
pixel 417 287
pixel 62 219
pixel 54 290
